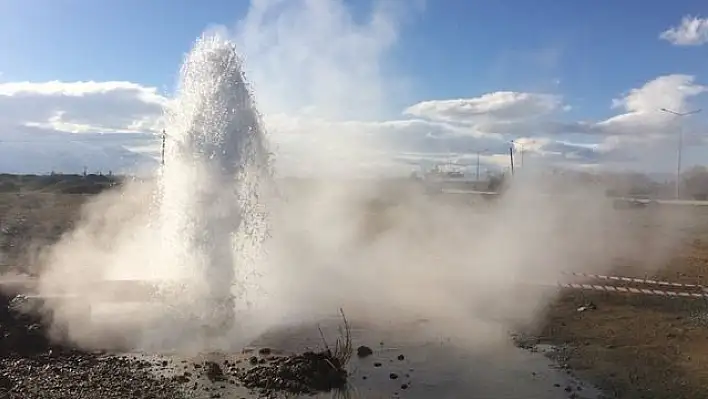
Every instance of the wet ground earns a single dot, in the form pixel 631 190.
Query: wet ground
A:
pixel 405 367
pixel 410 359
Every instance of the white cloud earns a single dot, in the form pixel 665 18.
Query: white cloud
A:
pixel 501 105
pixel 39 122
pixel 311 144
pixel 642 106
pixel 76 107
pixel 308 144
pixel 669 91
pixel 644 136
pixel 692 31
pixel 64 126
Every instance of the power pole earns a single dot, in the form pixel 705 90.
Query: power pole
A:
pixel 511 158
pixel 514 143
pixel 679 146
pixel 164 136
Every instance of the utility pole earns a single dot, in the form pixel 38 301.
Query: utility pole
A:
pixel 511 158
pixel 164 136
pixel 514 143
pixel 679 146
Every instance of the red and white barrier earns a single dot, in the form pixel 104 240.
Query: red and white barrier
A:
pixel 630 290
pixel 637 280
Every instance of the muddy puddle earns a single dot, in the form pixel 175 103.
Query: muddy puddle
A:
pixel 401 365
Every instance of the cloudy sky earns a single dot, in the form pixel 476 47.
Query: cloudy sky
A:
pixel 380 85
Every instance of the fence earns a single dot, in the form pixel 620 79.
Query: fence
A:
pixel 668 288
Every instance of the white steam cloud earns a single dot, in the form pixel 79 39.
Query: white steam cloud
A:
pixel 331 244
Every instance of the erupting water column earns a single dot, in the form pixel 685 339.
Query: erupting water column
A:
pixel 215 161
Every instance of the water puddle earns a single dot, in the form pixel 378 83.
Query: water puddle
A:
pixel 403 368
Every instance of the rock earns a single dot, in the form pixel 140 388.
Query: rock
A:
pixel 587 306
pixel 401 357
pixel 364 351
pixel 393 376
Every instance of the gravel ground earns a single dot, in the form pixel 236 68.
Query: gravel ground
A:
pixel 32 367
pixel 80 375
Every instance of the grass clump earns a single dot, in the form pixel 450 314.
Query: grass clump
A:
pixel 306 373
pixel 343 348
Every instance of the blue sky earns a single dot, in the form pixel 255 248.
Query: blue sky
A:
pixel 588 52
pixel 596 49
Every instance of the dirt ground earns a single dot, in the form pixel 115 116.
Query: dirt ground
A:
pixel 636 346
pixel 632 346
pixel 29 221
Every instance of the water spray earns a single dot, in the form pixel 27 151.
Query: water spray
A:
pixel 213 165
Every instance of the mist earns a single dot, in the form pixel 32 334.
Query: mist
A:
pixel 385 252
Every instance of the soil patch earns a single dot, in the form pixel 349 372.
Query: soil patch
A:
pixel 630 346
pixel 307 373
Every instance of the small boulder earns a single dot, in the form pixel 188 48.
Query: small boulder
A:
pixel 364 351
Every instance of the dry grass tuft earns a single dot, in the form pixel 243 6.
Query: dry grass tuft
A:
pixel 343 349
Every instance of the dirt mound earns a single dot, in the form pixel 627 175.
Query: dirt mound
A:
pixel 307 373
